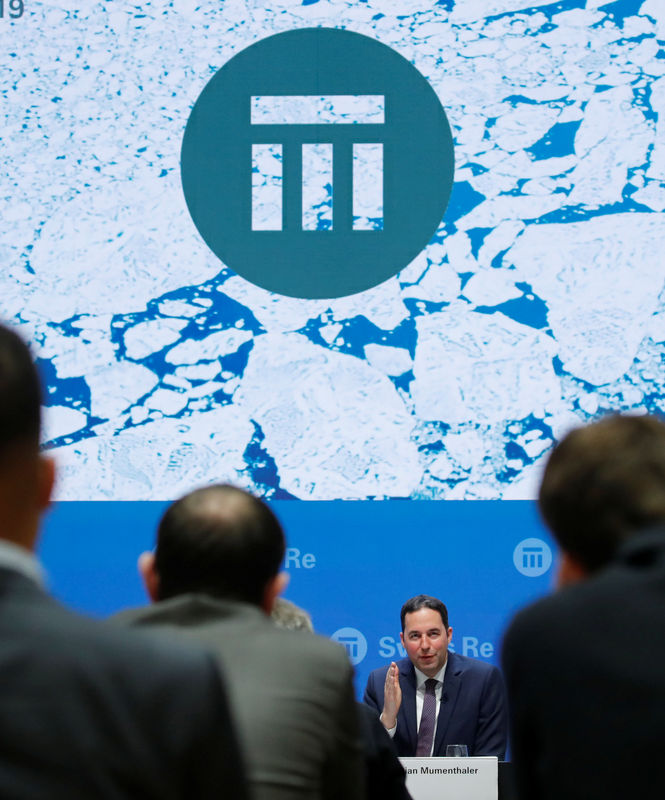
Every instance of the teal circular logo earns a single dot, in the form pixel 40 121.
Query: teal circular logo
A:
pixel 353 641
pixel 532 557
pixel 317 163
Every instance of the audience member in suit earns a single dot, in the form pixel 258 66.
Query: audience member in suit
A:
pixel 214 577
pixel 585 667
pixel 385 778
pixel 87 711
pixel 467 696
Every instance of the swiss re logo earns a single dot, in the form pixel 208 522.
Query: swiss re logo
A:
pixel 532 557
pixel 353 641
pixel 317 163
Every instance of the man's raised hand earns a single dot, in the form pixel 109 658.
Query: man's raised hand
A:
pixel 392 697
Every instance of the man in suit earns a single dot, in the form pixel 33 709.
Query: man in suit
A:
pixel 214 577
pixel 385 778
pixel 86 711
pixel 585 667
pixel 435 697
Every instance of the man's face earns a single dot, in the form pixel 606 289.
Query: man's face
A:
pixel 426 640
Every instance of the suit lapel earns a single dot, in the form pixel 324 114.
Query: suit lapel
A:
pixel 451 686
pixel 407 679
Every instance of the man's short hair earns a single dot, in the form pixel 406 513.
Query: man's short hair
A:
pixel 219 541
pixel 603 483
pixel 424 601
pixel 20 394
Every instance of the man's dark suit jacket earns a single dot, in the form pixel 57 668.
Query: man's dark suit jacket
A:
pixel 585 670
pixel 472 709
pixel 292 694
pixel 88 712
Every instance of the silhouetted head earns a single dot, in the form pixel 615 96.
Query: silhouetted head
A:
pixel 26 478
pixel 602 484
pixel 220 541
pixel 20 397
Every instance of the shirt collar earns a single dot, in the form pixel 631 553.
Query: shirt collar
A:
pixel 19 559
pixel 421 677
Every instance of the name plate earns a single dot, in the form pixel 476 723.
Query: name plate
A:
pixel 459 778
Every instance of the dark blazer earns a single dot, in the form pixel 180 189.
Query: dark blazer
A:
pixel 385 777
pixel 88 712
pixel 472 709
pixel 585 670
pixel 291 692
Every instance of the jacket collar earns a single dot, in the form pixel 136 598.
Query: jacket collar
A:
pixel 194 609
pixel 18 559
pixel 643 548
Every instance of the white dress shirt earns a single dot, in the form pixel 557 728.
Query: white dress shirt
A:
pixel 420 698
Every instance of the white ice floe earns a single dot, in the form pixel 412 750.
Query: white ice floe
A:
pixel 204 371
pixel 107 249
pixel 657 161
pixel 466 448
pixel 656 10
pixel 151 336
pixel 216 345
pixel 166 401
pixel 335 426
pixel 60 420
pixel 181 308
pixel 160 460
pixel 391 360
pixel 613 136
pixel 439 284
pixel 274 312
pixel 600 280
pixel 527 484
pixel 474 10
pixel 73 356
pixel 117 387
pixel 472 367
pixel 490 287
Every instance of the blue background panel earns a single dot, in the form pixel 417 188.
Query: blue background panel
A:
pixel 351 565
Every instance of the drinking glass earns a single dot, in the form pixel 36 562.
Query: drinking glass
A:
pixel 457 751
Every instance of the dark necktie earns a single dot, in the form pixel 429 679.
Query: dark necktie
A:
pixel 427 720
